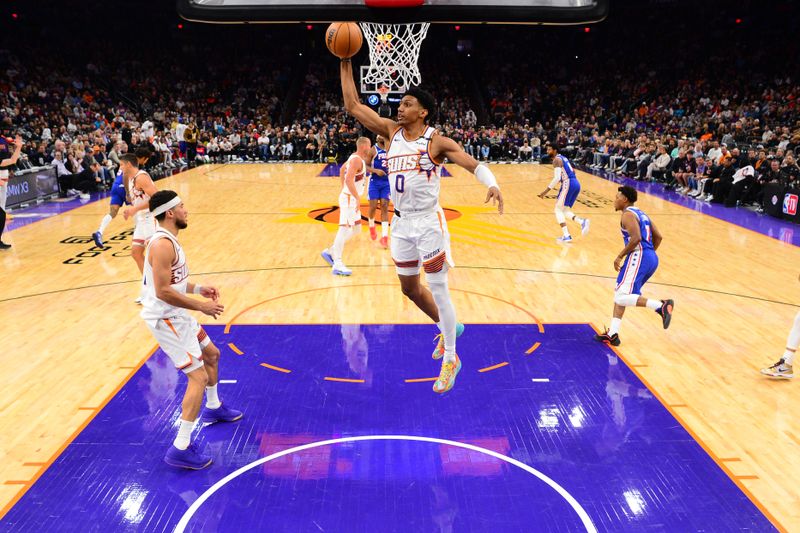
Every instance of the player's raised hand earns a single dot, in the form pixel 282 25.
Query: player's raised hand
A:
pixel 211 308
pixel 210 292
pixel 496 197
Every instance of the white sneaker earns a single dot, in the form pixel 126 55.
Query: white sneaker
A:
pixel 585 226
pixel 341 270
pixel 138 301
pixel 564 240
pixel 779 370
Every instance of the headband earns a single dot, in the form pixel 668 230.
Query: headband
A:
pixel 160 210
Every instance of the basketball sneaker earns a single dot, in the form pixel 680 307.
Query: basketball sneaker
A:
pixel 98 239
pixel 341 270
pixel 666 312
pixel 564 240
pixel 438 352
pixel 779 370
pixel 384 242
pixel 326 255
pixel 613 340
pixel 373 234
pixel 447 376
pixel 189 458
pixel 220 414
pixel 585 226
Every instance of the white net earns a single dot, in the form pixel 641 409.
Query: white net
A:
pixel 393 56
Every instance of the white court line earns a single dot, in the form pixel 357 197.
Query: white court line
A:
pixel 582 514
pixel 541 380
pixel 227 381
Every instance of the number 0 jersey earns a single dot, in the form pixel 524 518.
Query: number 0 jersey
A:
pixel 414 176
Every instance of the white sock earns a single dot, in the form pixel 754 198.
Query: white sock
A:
pixel 565 231
pixel 615 324
pixel 184 436
pixel 338 243
pixel 793 342
pixel 104 224
pixel 447 317
pixel 655 305
pixel 372 223
pixel 384 229
pixel 212 399
pixel 577 219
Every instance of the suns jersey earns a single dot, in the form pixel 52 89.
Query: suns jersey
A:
pixel 379 163
pixel 359 175
pixel 138 197
pixel 644 228
pixel 152 307
pixel 414 177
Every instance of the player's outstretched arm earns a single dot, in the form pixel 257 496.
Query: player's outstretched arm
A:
pixel 366 116
pixel 442 147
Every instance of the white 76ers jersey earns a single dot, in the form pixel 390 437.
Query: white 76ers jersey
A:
pixel 414 177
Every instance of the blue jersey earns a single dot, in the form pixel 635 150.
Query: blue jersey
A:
pixel 644 228
pixel 118 196
pixel 570 186
pixel 379 163
pixel 569 172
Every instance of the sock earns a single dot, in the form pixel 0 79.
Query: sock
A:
pixel 655 305
pixel 372 223
pixel 184 436
pixel 793 342
pixel 212 399
pixel 338 243
pixel 104 224
pixel 447 317
pixel 577 219
pixel 565 231
pixel 615 324
pixel 384 229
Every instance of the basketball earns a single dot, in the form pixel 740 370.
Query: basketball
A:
pixel 343 39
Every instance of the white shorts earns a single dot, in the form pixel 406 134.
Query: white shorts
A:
pixel 143 230
pixel 421 238
pixel 349 209
pixel 182 339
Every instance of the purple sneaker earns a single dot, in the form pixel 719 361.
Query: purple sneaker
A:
pixel 189 458
pixel 220 414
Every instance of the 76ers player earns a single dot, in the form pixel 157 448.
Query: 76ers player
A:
pixel 414 159
pixel 379 191
pixel 642 239
pixel 165 285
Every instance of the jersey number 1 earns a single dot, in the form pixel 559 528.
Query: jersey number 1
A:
pixel 400 183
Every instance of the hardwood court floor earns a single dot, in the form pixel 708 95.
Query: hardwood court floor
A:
pixel 72 333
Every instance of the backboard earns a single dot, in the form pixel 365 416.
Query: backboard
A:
pixel 437 11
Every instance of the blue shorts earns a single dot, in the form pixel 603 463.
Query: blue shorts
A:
pixel 636 270
pixel 378 188
pixel 118 192
pixel 569 193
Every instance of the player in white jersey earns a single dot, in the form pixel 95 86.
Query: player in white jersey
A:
pixel 354 173
pixel 165 285
pixel 5 164
pixel 783 368
pixel 140 188
pixel 415 156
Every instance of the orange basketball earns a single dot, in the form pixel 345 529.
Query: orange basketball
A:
pixel 343 39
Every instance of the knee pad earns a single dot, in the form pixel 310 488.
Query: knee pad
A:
pixel 559 211
pixel 625 300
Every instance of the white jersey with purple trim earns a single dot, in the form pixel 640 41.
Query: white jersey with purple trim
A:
pixel 359 175
pixel 414 177
pixel 152 307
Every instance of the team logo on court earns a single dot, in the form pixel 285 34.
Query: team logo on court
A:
pixel 790 204
pixel 331 214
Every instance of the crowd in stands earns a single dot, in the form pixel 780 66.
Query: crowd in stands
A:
pixel 710 129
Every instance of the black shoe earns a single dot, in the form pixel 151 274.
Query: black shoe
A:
pixel 4 246
pixel 666 312
pixel 613 340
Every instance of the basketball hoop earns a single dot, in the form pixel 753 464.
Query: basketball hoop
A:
pixel 393 55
